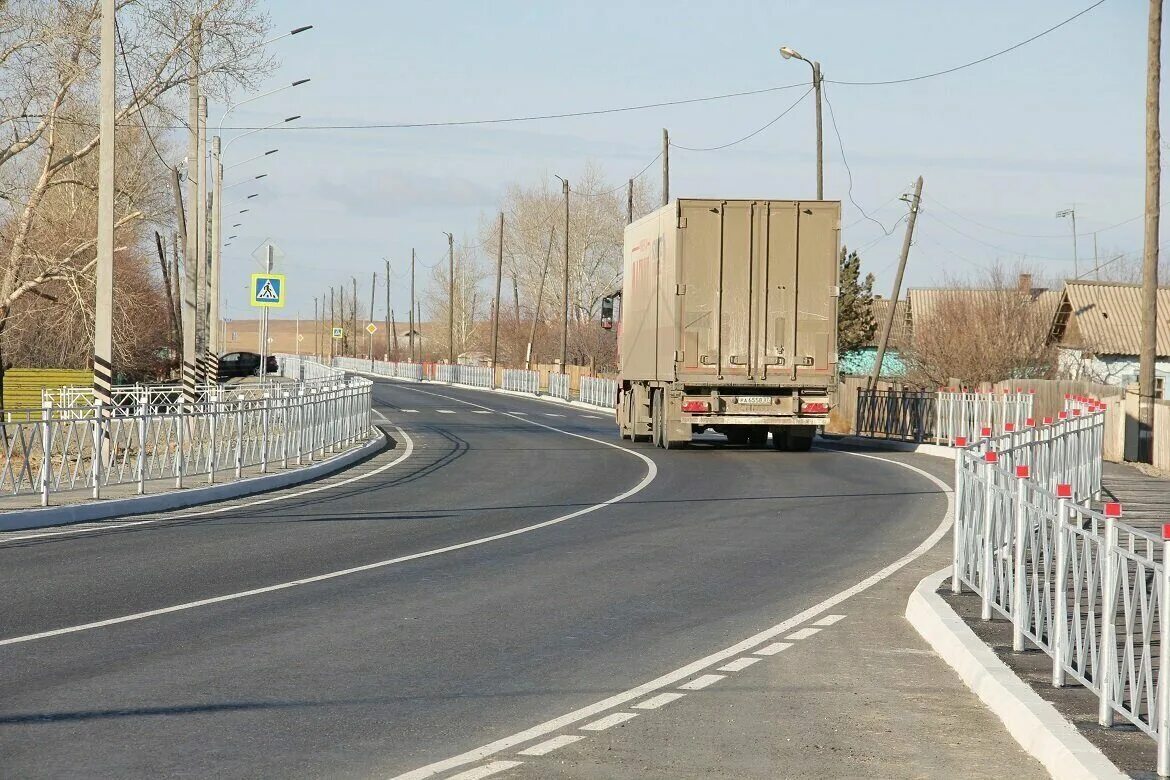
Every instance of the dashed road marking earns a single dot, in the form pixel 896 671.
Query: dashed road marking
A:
pixel 829 620
pixel 772 649
pixel 445 411
pixel 803 633
pixel 549 745
pixel 655 702
pixel 409 411
pixel 739 664
pixel 609 720
pixel 702 682
pixel 520 414
pixel 480 411
pixel 487 770
pixel 552 414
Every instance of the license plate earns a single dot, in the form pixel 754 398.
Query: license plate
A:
pixel 754 400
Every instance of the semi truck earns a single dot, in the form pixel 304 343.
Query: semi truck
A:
pixel 727 322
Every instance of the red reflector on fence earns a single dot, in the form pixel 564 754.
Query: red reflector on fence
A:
pixel 1076 412
pixel 960 441
pixel 1009 427
pixel 1064 491
pixel 1166 530
pixel 696 406
pixel 1113 509
pixel 1022 472
pixel 991 456
pixel 985 433
pixel 1063 415
pixel 1067 396
pixel 1030 422
pixel 1048 421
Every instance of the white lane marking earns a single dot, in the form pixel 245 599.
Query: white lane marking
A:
pixel 521 414
pixel 480 411
pixel 592 417
pixel 233 507
pixel 803 633
pixel 702 682
pixel 549 745
pixel 445 411
pixel 609 720
pixel 552 414
pixel 739 664
pixel 485 771
pixel 829 620
pixel 409 411
pixel 651 473
pixel 659 700
pixel 746 645
pixel 772 649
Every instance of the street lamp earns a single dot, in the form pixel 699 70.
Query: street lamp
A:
pixel 250 159
pixel 1072 213
pixel 294 31
pixel 243 181
pixel 789 53
pixel 234 106
pixel 565 285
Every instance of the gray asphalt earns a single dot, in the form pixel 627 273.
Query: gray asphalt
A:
pixel 381 671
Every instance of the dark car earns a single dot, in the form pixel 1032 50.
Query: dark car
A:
pixel 236 364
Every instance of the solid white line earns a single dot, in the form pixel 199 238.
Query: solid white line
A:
pixel 549 745
pixel 659 700
pixel 829 620
pixel 609 720
pixel 485 771
pixel 803 633
pixel 232 507
pixel 739 664
pixel 682 673
pixel 702 682
pixel 772 649
pixel 651 472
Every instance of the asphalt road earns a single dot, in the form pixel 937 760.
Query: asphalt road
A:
pixel 387 668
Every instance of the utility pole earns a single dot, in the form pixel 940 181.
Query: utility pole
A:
pixel 1072 212
pixel 418 319
pixel 665 167
pixel 630 202
pixel 816 68
pixel 298 338
pixel 450 299
pixel 565 286
pixel 410 314
pixel 881 354
pixel 1096 259
pixel 103 334
pixel 373 285
pixel 264 319
pixel 539 296
pixel 1149 341
pixel 353 317
pixel 496 307
pixel 332 324
pixel 216 265
pixel 343 319
pixel 316 331
pixel 201 342
pixel 190 249
pixel 390 334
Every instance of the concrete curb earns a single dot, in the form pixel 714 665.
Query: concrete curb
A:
pixel 552 399
pixel 889 444
pixel 1042 731
pixel 23 519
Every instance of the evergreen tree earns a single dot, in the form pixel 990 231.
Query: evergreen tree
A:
pixel 855 322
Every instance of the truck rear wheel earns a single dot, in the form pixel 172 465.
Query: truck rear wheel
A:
pixel 661 428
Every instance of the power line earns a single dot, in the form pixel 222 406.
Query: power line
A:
pixel 134 90
pixel 636 176
pixel 752 134
pixel 848 170
pixel 1063 236
pixel 979 61
pixel 996 247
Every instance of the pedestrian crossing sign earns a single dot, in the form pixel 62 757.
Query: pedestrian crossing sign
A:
pixel 268 290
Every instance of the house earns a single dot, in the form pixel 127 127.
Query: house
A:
pixel 860 361
pixel 1097 329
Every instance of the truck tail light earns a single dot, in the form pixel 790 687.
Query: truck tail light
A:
pixel 696 406
pixel 814 407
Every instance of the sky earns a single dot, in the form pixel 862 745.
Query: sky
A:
pixel 1002 146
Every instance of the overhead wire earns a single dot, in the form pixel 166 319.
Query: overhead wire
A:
pixel 845 160
pixel 635 177
pixel 134 90
pixel 972 63
pixel 752 134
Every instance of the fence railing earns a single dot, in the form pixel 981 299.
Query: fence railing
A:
pixel 964 414
pixel 91 447
pixel 599 391
pixel 1087 589
pixel 906 415
pixel 558 386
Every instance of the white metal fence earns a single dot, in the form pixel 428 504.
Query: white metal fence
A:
pixel 1087 589
pixel 558 386
pixel 521 381
pixel 967 414
pixel 599 391
pixel 154 436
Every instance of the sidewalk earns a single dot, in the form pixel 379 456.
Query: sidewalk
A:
pixel 1145 499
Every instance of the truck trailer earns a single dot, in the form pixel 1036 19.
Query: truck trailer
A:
pixel 728 322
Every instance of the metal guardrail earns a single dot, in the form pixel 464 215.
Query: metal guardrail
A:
pixel 1087 589
pixel 905 415
pixel 594 390
pixel 57 449
pixel 965 413
pixel 599 391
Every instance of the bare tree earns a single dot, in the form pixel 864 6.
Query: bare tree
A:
pixel 472 327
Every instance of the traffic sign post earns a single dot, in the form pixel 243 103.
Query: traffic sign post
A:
pixel 371 328
pixel 339 333
pixel 268 291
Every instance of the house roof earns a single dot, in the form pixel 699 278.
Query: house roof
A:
pixel 928 302
pixel 901 327
pixel 1106 318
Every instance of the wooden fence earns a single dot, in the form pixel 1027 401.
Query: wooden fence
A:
pixel 22 386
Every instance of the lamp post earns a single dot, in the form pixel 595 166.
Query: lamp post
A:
pixel 565 285
pixel 791 54
pixel 450 298
pixel 1072 214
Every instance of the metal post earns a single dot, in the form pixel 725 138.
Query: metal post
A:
pixel 47 449
pixel 180 455
pixel 96 441
pixel 450 299
pixel 1107 655
pixel 191 251
pixel 1161 722
pixel 373 284
pixel 1060 588
pixel 565 287
pixel 413 325
pixel 496 309
pixel 987 564
pixel 240 437
pixel 103 333
pixel 215 347
pixel 140 467
pixel 958 532
pixel 1019 610
pixel 264 319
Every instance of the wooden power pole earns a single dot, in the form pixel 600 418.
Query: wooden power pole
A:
pixel 665 167
pixel 889 324
pixel 496 307
pixel 1147 357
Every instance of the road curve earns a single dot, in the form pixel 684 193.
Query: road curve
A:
pixel 387 667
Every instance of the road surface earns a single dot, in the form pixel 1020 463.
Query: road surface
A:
pixel 506 575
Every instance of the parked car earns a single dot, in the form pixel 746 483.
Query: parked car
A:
pixel 236 364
